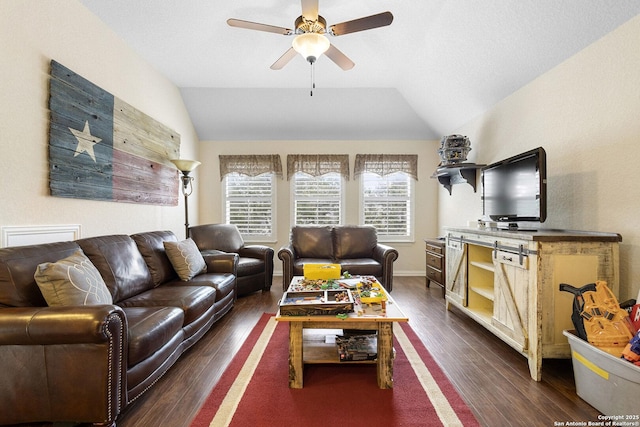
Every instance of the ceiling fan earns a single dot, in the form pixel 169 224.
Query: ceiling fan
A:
pixel 310 34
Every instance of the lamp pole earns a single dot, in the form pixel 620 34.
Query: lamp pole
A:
pixel 186 167
pixel 186 181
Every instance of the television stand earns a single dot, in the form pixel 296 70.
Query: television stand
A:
pixel 513 226
pixel 508 282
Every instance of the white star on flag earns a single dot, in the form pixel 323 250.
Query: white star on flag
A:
pixel 86 141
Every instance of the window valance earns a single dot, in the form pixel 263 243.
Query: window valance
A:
pixel 250 164
pixel 318 164
pixel 385 164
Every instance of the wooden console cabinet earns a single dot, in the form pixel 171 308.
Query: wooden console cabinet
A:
pixel 508 281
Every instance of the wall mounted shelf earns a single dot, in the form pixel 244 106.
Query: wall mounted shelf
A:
pixel 460 173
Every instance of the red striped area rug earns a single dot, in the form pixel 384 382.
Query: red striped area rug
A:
pixel 254 389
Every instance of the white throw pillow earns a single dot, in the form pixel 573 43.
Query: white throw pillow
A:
pixel 72 281
pixel 186 258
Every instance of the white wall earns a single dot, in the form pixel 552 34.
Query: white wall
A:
pixel 411 260
pixel 586 114
pixel 30 36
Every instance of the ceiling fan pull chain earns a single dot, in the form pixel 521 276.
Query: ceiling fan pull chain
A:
pixel 313 79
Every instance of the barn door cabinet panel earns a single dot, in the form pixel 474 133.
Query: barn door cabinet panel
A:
pixel 508 281
pixel 456 261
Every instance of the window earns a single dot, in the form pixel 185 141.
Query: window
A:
pixel 249 196
pixel 317 200
pixel 387 204
pixel 387 194
pixel 317 188
pixel 249 203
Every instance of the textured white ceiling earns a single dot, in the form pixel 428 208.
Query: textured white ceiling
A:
pixel 437 66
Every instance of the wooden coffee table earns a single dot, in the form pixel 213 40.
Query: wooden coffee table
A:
pixel 301 352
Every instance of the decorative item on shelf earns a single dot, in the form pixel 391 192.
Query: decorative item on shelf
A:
pixel 186 167
pixel 454 149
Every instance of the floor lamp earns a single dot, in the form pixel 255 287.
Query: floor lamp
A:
pixel 186 167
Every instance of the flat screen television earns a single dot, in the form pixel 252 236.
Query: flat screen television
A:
pixel 515 189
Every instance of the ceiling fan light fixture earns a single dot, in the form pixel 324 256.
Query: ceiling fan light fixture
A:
pixel 310 45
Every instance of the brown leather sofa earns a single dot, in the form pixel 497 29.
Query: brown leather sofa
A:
pixel 86 363
pixel 255 265
pixel 355 248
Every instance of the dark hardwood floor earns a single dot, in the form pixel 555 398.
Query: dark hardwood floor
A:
pixel 490 376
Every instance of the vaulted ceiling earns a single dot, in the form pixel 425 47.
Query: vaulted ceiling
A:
pixel 437 66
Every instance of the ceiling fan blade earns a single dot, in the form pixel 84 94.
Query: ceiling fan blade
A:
pixel 284 59
pixel 339 58
pixel 367 23
pixel 310 9
pixel 259 27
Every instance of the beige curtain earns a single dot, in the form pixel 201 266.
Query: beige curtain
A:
pixel 318 164
pixel 385 164
pixel 250 164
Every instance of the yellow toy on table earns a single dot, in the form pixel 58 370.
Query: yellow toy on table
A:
pixel 371 292
pixel 321 271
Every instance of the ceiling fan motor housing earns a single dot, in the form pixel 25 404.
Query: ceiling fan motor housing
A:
pixel 303 25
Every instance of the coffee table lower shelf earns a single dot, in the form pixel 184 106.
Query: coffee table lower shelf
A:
pixel 317 351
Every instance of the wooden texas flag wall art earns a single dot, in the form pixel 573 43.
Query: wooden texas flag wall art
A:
pixel 101 148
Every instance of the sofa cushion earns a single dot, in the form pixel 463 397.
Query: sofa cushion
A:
pixel 361 266
pixel 223 283
pixel 312 242
pixel 193 300
pixel 120 264
pixel 150 245
pixel 250 266
pixel 73 280
pixel 18 287
pixel 354 242
pixel 185 258
pixel 150 328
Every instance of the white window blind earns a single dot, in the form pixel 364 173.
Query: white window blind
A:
pixel 317 199
pixel 249 204
pixel 387 204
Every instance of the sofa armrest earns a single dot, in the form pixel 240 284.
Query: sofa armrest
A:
pixel 262 252
pixel 68 363
pixel 288 256
pixel 386 255
pixel 221 262
pixel 256 251
pixel 58 325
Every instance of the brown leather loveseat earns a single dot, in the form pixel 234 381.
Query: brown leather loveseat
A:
pixel 86 363
pixel 354 247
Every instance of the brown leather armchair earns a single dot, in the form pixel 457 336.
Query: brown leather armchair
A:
pixel 255 265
